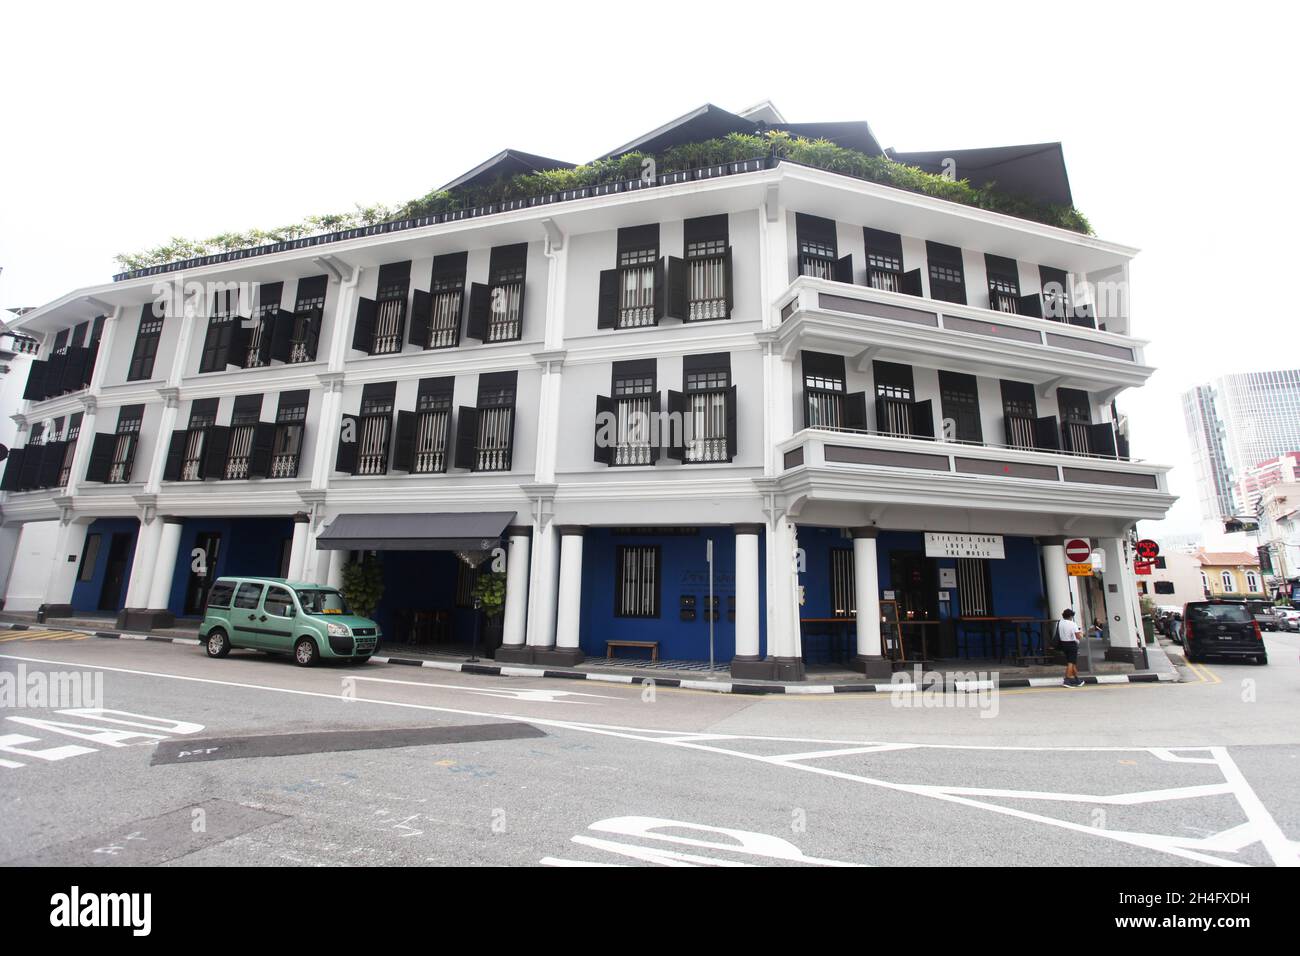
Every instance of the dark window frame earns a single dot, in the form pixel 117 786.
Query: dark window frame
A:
pixel 653 588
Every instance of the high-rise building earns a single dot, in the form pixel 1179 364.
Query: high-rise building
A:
pixel 1235 423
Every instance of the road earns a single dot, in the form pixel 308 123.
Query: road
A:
pixel 251 760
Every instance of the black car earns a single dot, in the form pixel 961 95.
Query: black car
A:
pixel 1222 629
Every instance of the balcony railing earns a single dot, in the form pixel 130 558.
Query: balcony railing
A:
pixel 388 326
pixel 492 452
pixel 637 297
pixel 1004 302
pixel 884 279
pixel 1020 431
pixel 431 443
pixel 504 319
pixel 633 430
pixel 707 288
pixel 897 419
pixel 284 466
pixel 444 323
pixel 241 450
pixel 708 426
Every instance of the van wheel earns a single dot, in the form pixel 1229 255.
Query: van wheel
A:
pixel 305 652
pixel 218 643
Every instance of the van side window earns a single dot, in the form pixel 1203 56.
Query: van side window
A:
pixel 278 602
pixel 247 596
pixel 220 594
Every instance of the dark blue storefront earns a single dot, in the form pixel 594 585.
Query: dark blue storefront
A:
pixel 236 546
pixel 426 599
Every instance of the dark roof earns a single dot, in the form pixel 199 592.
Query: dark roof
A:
pixel 459 531
pixel 508 162
pixel 1035 171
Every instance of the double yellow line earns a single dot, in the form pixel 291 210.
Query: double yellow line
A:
pixel 1203 673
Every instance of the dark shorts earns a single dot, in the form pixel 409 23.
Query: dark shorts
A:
pixel 1071 651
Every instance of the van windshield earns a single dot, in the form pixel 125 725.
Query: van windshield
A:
pixel 1218 614
pixel 323 602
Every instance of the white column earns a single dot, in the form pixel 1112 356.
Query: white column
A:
pixel 1059 593
pixel 866 597
pixel 1121 598
pixel 784 648
pixel 298 547
pixel 9 537
pixel 747 592
pixel 143 563
pixel 513 620
pixel 541 588
pixel 169 542
pixel 70 541
pixel 569 608
pixel 334 576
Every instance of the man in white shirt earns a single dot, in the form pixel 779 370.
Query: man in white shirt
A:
pixel 1067 632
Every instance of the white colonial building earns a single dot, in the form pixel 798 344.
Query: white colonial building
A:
pixel 896 406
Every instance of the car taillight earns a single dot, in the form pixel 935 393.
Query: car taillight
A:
pixel 1259 635
pixel 1187 630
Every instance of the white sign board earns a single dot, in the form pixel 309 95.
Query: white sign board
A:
pixel 947 577
pixel 940 544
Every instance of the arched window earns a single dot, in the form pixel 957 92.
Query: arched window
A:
pixel 1252 582
pixel 1227 580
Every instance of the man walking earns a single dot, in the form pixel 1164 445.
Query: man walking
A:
pixel 1067 633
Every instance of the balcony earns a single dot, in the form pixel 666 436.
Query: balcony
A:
pixel 877 323
pixel 849 466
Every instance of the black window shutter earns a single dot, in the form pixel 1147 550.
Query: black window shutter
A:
pixel 607 307
pixel 175 454
pixel 604 410
pixel 523 288
pixel 676 425
pixel 466 437
pixel 1046 435
pixel 75 376
pixel 281 338
pixel 363 334
pixel 480 305
pixel 259 462
pixel 346 459
pixel 404 441
pixel 1102 439
pixel 882 417
pixel 13 477
pixel 661 289
pixel 923 419
pixel 47 475
pixel 101 457
pixel 237 349
pixel 1085 316
pixel 855 411
pixel 656 440
pixel 731 423
pixel 675 308
pixel 1030 305
pixel 31 466
pixel 731 296
pixel 912 283
pixel 54 374
pixel 216 446
pixel 35 390
pixel 421 313
pixel 844 269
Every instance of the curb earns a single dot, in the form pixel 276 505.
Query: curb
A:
pixel 717 687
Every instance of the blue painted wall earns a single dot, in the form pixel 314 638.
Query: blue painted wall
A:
pixel 684 572
pixel 249 546
pixel 85 594
pixel 421 581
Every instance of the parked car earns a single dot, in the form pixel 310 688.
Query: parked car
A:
pixel 1263 612
pixel 1222 629
pixel 309 621
pixel 1288 618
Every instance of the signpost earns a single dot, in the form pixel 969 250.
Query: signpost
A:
pixel 1078 554
pixel 708 553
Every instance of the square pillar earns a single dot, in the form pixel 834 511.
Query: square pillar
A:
pixel 1060 593
pixel 1120 594
pixel 135 614
pixel 870 658
pixel 784 647
pixel 298 546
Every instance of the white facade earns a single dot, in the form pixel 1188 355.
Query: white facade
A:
pixel 782 476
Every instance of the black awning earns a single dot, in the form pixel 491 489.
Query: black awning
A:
pixel 462 531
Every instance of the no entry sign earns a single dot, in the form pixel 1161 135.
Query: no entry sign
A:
pixel 1078 550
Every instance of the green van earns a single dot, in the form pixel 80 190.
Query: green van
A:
pixel 309 621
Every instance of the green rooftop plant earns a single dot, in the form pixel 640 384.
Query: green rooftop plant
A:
pixel 819 153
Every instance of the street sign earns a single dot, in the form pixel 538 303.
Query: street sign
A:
pixel 1083 570
pixel 1078 550
pixel 1148 550
pixel 1142 567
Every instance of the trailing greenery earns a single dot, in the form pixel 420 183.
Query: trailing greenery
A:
pixel 820 153
pixel 363 585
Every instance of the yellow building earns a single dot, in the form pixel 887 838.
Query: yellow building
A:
pixel 1231 573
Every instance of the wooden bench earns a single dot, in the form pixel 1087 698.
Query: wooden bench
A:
pixel 652 646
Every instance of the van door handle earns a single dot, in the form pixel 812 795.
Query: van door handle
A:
pixel 252 617
pixel 263 617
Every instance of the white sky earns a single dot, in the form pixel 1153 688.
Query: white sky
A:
pixel 127 123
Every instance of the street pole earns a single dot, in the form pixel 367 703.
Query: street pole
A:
pixel 473 653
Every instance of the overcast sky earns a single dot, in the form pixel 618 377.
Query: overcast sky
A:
pixel 127 123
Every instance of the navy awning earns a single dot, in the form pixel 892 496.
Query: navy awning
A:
pixel 460 531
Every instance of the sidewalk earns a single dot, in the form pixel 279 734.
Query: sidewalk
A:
pixel 822 678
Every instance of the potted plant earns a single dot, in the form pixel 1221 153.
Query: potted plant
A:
pixel 363 585
pixel 490 598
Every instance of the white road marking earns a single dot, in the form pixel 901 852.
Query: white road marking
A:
pixel 1282 851
pixel 530 694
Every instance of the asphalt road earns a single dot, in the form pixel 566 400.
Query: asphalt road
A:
pixel 251 760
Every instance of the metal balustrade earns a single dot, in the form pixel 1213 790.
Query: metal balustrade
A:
pixel 707 288
pixel 388 326
pixel 825 409
pixel 444 323
pixel 431 443
pixel 897 419
pixel 505 318
pixel 192 464
pixel 492 453
pixel 372 453
pixel 884 280
pixel 241 450
pixel 1020 431
pixel 1004 302
pixel 817 267
pixel 707 435
pixel 637 296
pixel 284 466
pixel 633 430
